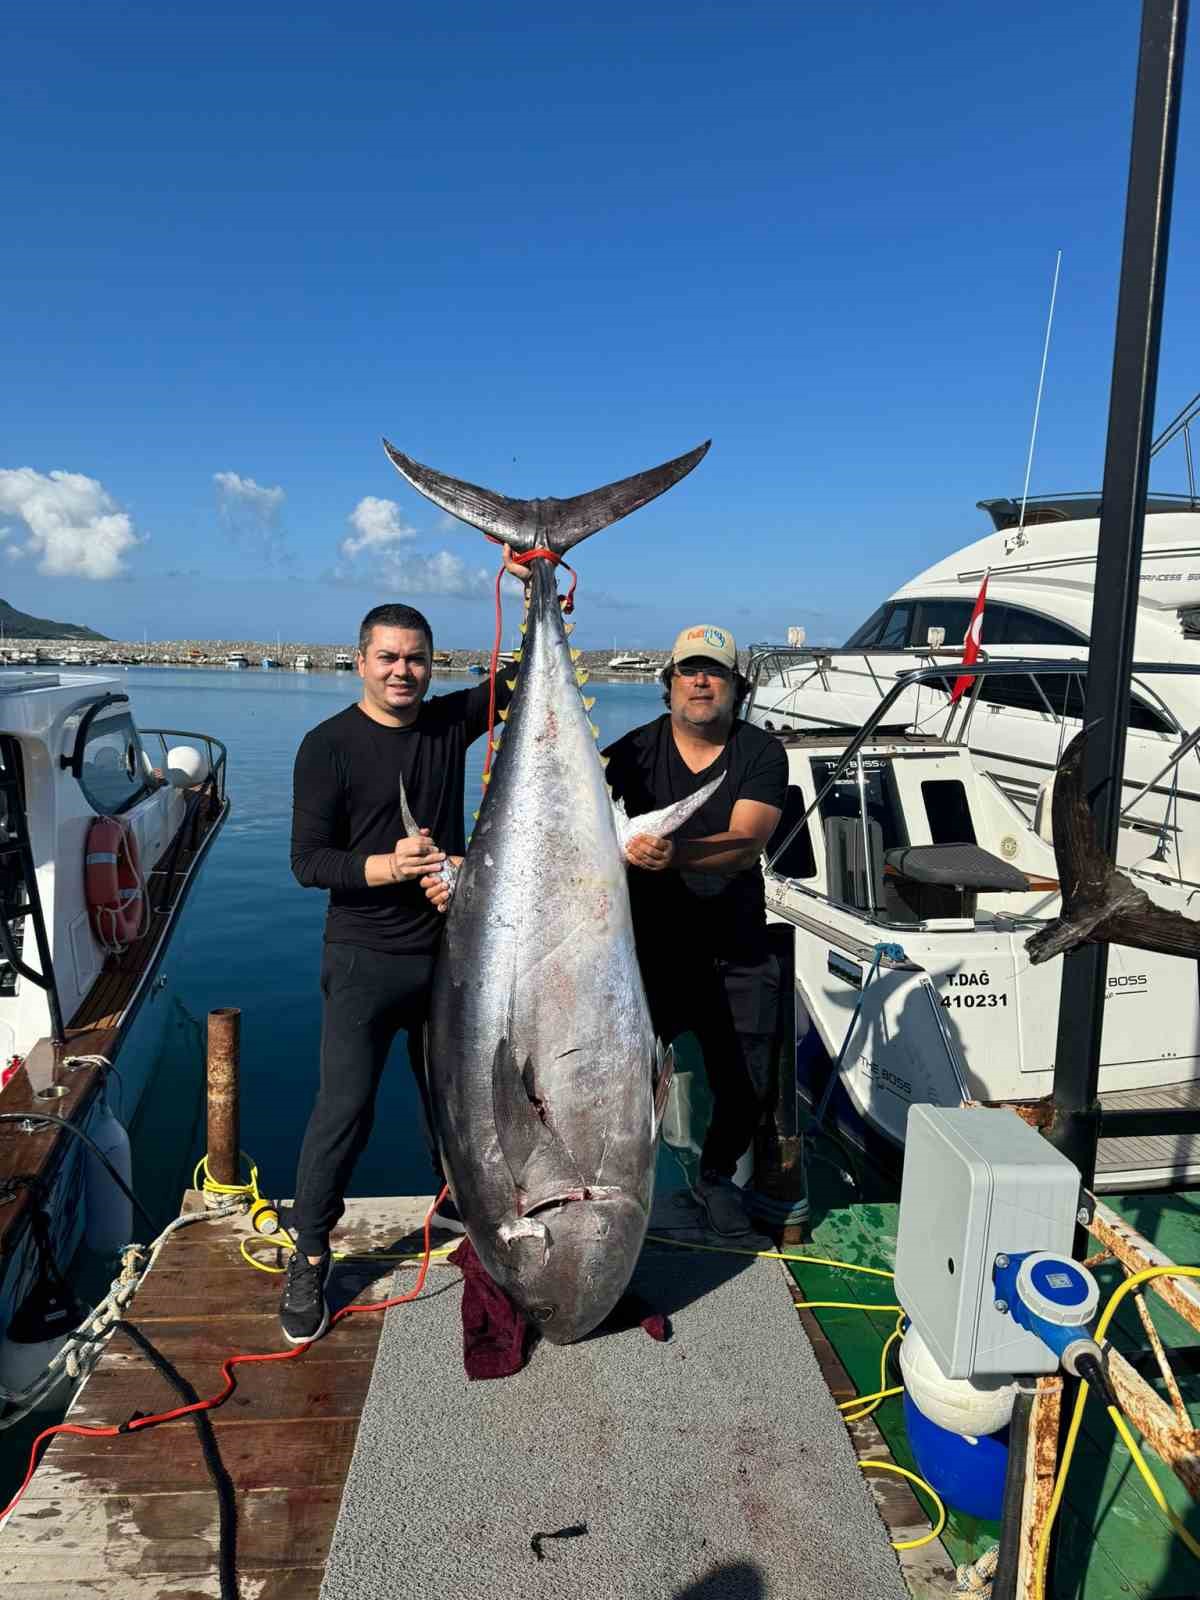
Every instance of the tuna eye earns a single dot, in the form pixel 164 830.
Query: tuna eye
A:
pixel 541 1313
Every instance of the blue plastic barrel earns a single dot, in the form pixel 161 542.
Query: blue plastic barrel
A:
pixel 967 1473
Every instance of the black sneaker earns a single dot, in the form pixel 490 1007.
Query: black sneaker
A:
pixel 447 1217
pixel 303 1312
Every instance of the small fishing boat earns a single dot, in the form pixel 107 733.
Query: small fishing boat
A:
pixel 268 662
pixel 302 663
pixel 103 830
pixel 237 661
pixel 905 885
pixel 343 661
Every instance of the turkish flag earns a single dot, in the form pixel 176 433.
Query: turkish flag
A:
pixel 972 641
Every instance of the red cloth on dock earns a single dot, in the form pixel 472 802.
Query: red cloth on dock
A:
pixel 495 1333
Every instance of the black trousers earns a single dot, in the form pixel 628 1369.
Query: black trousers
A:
pixel 732 1009
pixel 369 996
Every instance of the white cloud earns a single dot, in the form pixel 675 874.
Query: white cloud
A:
pixel 73 526
pixel 376 553
pixel 377 525
pixel 442 573
pixel 251 513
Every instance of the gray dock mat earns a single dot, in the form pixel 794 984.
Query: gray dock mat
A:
pixel 714 1467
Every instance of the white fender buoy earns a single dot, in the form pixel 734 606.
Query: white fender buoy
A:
pixel 41 1325
pixel 109 1212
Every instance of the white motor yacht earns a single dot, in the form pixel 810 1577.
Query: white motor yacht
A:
pixel 631 661
pixel 103 829
pixel 1041 579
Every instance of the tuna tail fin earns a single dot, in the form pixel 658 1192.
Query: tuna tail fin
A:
pixel 543 524
pixel 1099 904
pixel 661 824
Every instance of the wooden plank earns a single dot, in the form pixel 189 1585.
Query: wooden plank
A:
pixel 90 1539
pixel 295 1453
pixel 290 1583
pixel 313 1390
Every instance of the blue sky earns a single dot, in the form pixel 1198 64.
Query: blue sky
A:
pixel 543 246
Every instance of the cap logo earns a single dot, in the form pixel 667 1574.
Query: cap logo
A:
pixel 714 636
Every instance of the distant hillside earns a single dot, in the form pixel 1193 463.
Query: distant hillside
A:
pixel 19 625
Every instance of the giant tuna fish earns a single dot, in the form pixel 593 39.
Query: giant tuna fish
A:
pixel 547 1083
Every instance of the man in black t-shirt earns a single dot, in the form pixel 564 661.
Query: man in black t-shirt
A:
pixel 381 930
pixel 698 909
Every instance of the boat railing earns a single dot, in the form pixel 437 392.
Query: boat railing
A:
pixel 977 671
pixel 215 751
pixel 767 661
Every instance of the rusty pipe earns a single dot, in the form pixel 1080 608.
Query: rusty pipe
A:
pixel 221 1079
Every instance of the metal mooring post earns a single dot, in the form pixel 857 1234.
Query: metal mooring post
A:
pixel 1075 1127
pixel 1075 1124
pixel 224 1122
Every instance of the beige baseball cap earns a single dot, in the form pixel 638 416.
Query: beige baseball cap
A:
pixel 717 644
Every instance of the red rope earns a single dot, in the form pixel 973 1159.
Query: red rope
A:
pixel 541 553
pixel 137 1424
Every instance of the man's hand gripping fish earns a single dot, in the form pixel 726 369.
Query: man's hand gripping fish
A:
pixel 547 1083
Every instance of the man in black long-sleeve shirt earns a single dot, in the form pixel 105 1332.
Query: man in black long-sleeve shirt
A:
pixel 381 931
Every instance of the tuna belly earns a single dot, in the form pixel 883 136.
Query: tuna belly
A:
pixel 568 1264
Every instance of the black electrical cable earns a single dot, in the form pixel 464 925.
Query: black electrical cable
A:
pixel 71 1127
pixel 222 1482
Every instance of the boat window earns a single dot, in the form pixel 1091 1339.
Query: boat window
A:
pixel 115 772
pixel 947 810
pixel 797 860
pixel 895 631
pixel 1006 624
pixel 870 630
pixel 952 615
pixel 883 800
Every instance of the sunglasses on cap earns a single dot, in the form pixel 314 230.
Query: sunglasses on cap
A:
pixel 701 664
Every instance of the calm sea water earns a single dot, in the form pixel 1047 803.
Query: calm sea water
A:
pixel 251 937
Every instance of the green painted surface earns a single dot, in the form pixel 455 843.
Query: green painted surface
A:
pixel 1114 1543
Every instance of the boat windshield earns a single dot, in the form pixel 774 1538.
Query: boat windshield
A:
pixel 115 773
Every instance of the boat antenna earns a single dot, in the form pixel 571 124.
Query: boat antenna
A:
pixel 1019 540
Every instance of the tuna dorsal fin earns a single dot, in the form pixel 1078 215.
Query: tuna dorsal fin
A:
pixel 540 1164
pixel 660 824
pixel 553 524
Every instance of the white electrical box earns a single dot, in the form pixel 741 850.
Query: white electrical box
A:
pixel 977 1184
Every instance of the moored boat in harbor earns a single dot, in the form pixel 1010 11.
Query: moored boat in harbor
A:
pixel 103 829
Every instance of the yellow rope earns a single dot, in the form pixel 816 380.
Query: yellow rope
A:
pixel 903 1472
pixel 769 1255
pixel 1151 1482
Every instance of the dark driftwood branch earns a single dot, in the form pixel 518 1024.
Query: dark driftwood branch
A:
pixel 1099 904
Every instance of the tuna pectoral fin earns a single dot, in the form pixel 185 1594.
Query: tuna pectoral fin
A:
pixel 540 1163
pixel 552 524
pixel 662 1084
pixel 660 824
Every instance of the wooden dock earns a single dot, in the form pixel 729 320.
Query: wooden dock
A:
pixel 136 1517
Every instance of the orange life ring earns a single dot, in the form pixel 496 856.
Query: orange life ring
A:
pixel 113 884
